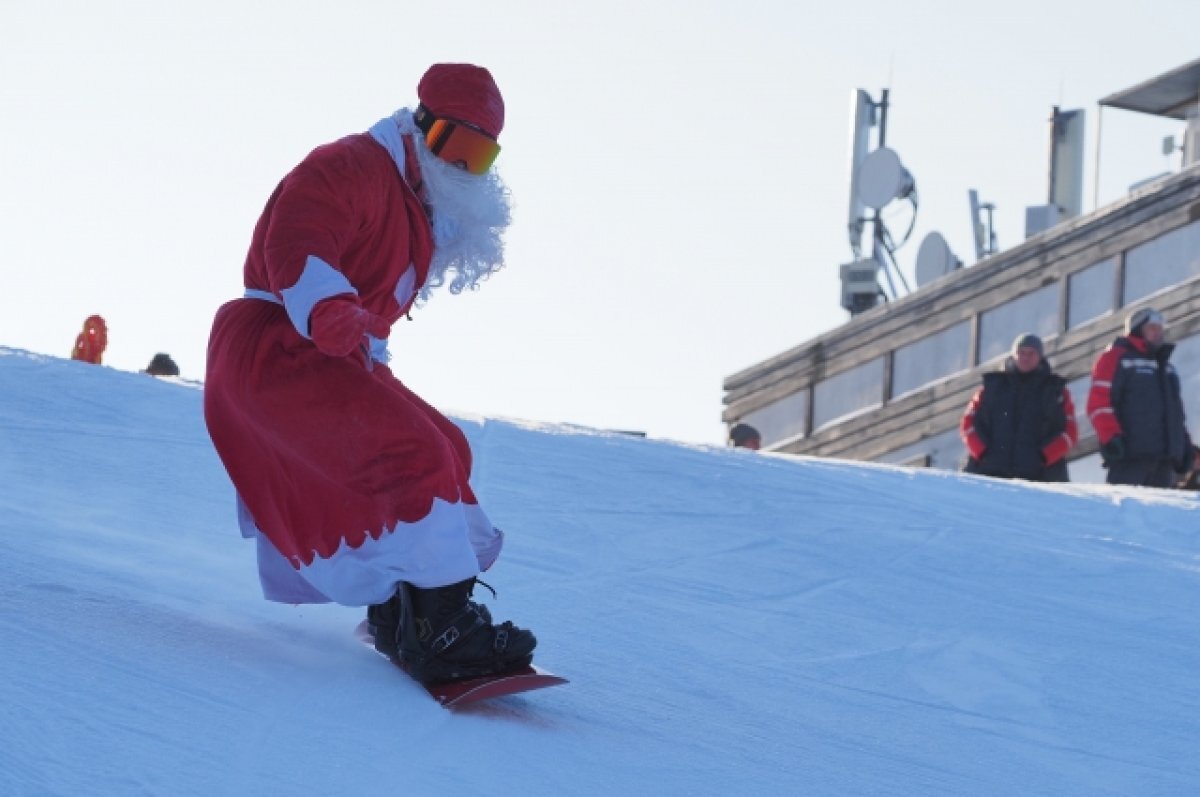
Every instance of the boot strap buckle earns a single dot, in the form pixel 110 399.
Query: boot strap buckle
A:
pixel 466 622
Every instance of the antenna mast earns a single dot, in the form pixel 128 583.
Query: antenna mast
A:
pixel 876 179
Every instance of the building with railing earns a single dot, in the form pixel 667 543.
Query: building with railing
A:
pixel 891 384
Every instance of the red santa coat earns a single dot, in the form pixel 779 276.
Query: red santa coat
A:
pixel 350 482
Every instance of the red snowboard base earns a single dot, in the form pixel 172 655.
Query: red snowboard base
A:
pixel 473 690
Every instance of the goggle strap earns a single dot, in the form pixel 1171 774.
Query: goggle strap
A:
pixel 423 119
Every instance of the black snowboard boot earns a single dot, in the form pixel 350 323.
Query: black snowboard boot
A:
pixel 383 621
pixel 446 636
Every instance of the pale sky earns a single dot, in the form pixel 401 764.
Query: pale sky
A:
pixel 680 169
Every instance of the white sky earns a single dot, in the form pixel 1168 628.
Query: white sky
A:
pixel 732 623
pixel 679 169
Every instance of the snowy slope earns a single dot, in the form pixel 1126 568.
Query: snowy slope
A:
pixel 733 623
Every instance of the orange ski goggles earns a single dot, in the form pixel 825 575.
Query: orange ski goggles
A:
pixel 458 143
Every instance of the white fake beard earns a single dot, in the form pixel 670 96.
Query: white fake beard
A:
pixel 469 213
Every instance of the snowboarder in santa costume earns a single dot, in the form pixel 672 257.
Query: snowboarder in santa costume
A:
pixel 356 490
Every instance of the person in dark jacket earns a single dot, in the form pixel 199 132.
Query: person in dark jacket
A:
pixel 1136 407
pixel 1020 423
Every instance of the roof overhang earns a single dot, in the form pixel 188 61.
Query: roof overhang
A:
pixel 1173 94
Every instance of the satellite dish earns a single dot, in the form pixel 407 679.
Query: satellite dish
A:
pixel 882 178
pixel 934 259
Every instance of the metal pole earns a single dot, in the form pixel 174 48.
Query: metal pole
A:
pixel 876 224
pixel 991 245
pixel 1096 187
pixel 883 106
pixel 884 267
pixel 1053 156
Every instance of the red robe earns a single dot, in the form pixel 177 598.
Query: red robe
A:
pixel 350 481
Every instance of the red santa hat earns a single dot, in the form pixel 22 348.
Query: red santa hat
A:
pixel 465 93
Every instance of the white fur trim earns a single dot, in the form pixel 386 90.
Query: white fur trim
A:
pixel 318 281
pixel 452 543
pixel 390 131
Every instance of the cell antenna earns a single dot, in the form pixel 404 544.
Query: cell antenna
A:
pixel 877 179
pixel 983 232
pixel 862 119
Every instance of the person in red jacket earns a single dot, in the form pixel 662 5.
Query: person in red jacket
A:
pixel 1136 406
pixel 1020 423
pixel 92 341
pixel 356 490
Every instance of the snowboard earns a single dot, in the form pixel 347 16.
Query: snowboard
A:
pixel 455 694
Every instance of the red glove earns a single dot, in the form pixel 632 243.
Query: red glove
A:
pixel 337 325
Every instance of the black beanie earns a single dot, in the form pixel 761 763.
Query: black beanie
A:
pixel 743 433
pixel 1031 340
